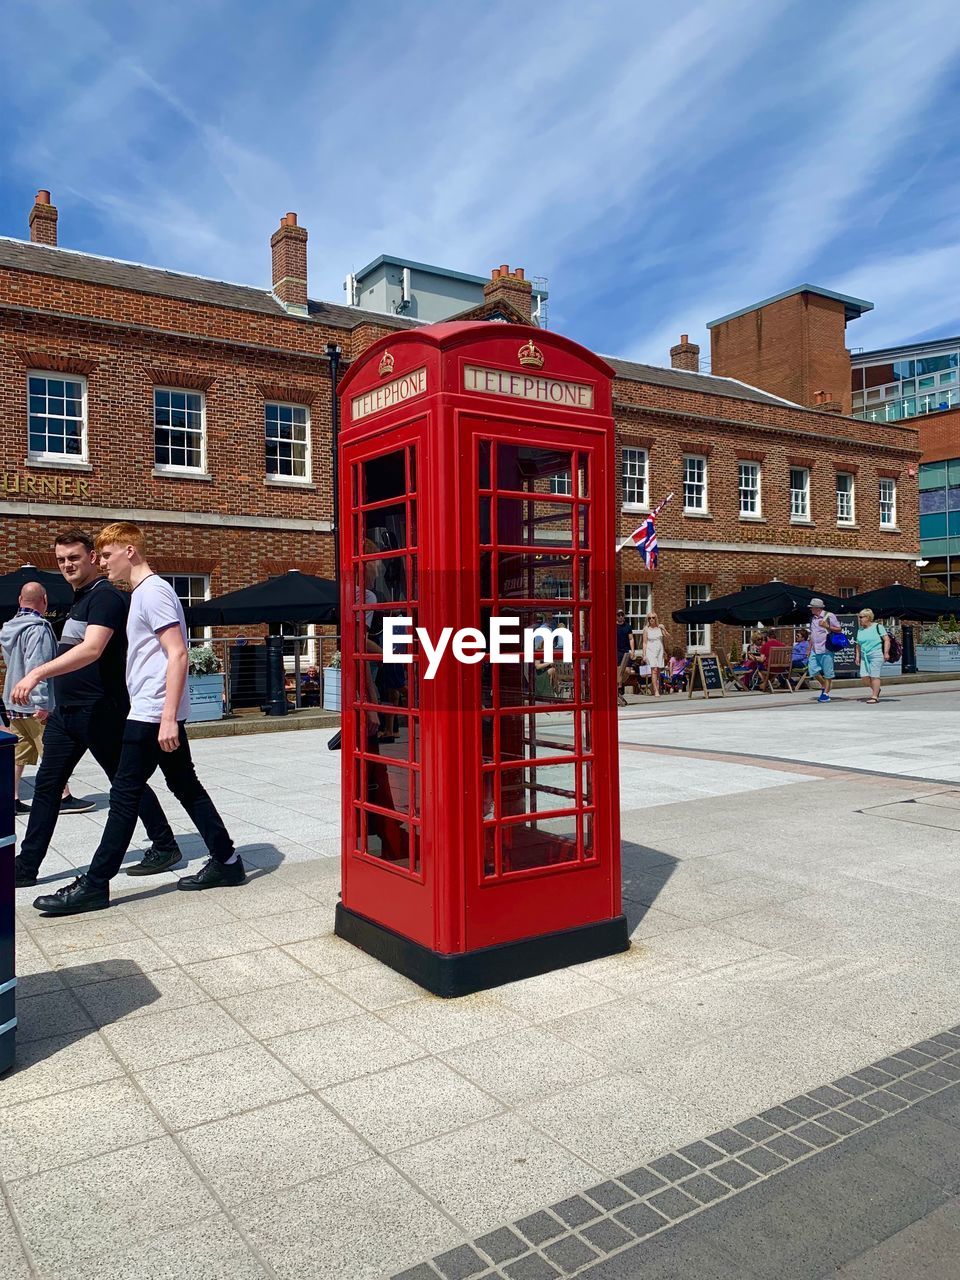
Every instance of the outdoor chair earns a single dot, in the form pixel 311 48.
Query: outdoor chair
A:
pixel 627 676
pixel 564 681
pixel 798 677
pixel 738 677
pixel 777 668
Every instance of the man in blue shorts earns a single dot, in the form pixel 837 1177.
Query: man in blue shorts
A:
pixel 820 661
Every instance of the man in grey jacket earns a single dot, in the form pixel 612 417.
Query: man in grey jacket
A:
pixel 27 641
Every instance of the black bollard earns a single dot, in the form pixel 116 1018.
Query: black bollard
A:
pixel 908 663
pixel 276 704
pixel 8 981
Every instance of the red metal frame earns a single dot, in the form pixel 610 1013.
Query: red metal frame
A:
pixel 489 867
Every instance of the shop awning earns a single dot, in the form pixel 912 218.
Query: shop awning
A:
pixel 906 602
pixel 59 594
pixel 290 597
pixel 766 602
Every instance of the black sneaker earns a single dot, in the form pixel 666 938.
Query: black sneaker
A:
pixel 73 804
pixel 22 876
pixel 72 899
pixel 213 874
pixel 156 860
pixel 21 809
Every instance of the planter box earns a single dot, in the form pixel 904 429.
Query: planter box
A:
pixel 941 657
pixel 206 697
pixel 331 688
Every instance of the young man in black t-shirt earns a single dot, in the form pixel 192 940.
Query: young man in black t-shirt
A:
pixel 91 709
pixel 626 652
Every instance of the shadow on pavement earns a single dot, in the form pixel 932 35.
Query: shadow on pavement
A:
pixel 644 872
pixel 111 994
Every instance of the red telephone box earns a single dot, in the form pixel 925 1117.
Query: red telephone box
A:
pixel 481 837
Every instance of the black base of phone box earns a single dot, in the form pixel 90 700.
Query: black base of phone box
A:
pixel 469 971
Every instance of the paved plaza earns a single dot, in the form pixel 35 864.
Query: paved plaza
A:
pixel 765 1085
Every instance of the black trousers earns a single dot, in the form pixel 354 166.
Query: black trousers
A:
pixel 69 734
pixel 139 757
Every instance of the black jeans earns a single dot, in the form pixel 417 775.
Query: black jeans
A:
pixel 70 732
pixel 139 757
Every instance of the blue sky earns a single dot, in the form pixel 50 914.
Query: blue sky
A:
pixel 661 164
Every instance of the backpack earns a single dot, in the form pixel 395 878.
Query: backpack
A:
pixel 895 649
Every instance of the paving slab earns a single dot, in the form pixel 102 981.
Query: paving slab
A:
pixel 246 1156
pixel 317 1099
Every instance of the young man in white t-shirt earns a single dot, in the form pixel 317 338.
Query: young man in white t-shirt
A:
pixel 154 734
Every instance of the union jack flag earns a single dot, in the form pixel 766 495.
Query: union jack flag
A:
pixel 644 537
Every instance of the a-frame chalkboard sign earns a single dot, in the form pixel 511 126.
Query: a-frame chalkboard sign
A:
pixel 706 677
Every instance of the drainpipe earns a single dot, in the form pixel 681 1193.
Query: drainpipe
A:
pixel 333 356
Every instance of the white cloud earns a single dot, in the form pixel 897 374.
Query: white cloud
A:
pixel 873 92
pixel 661 164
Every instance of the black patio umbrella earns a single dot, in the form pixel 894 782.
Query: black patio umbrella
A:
pixel 59 594
pixel 289 597
pixel 766 602
pixel 906 602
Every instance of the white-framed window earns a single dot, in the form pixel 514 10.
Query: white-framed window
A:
pixel 178 429
pixel 845 498
pixel 56 417
pixel 635 471
pixel 561 482
pixel 888 503
pixel 191 588
pixel 846 592
pixel 299 637
pixel 799 493
pixel 636 603
pixel 698 633
pixel 749 485
pixel 287 441
pixel 694 483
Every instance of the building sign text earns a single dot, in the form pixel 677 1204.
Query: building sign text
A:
pixel 403 388
pixel 527 386
pixel 44 486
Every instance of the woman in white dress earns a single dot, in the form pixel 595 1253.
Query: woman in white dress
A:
pixel 654 639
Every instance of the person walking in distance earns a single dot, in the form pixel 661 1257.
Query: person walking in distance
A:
pixel 91 707
pixel 873 650
pixel 154 735
pixel 626 652
pixel 654 640
pixel 27 641
pixel 820 660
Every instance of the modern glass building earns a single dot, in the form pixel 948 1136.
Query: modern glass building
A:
pixel 906 382
pixel 940 526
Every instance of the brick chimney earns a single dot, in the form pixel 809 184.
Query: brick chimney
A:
pixel 43 220
pixel 510 286
pixel 825 402
pixel 685 355
pixel 289 245
pixel 791 345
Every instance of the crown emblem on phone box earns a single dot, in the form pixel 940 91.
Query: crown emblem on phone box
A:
pixel 530 355
pixel 386 364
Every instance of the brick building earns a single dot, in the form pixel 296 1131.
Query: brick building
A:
pixel 763 489
pixel 198 408
pixel 939 482
pixel 202 410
